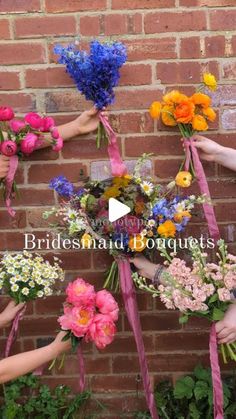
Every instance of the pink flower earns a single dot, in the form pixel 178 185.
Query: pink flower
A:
pixel 59 144
pixel 16 125
pixel 107 304
pixel 34 120
pixel 80 293
pixel 47 123
pixel 224 294
pixel 55 133
pixel 102 331
pixel 77 319
pixel 9 148
pixel 6 113
pixel 29 143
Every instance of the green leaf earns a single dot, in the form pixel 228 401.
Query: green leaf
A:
pixel 184 388
pixel 213 298
pixel 202 374
pixel 194 412
pixel 217 314
pixel 201 390
pixel 183 319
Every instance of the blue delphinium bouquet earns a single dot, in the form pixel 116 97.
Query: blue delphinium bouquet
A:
pixel 95 73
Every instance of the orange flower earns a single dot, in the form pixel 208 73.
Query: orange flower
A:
pixel 201 99
pixel 155 110
pixel 184 112
pixel 139 207
pixel 183 179
pixel 199 123
pixel 174 97
pixel 178 217
pixel 167 229
pixel 210 114
pixel 137 243
pixel 167 116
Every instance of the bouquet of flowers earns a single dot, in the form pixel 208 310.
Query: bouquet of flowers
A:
pixel 95 73
pixel 25 277
pixel 19 138
pixel 88 315
pixel 204 290
pixel 84 215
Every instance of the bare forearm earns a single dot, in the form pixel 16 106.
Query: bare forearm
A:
pixel 227 158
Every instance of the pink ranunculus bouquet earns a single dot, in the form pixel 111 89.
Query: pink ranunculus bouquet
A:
pixel 89 315
pixel 20 138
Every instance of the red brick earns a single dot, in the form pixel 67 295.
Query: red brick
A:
pixel 209 3
pixel 216 188
pixel 229 119
pixel 190 47
pixel 90 25
pixel 222 20
pixel 85 149
pixel 32 197
pixel 225 95
pixel 46 326
pixel 178 362
pixel 136 74
pixel 78 260
pixel 139 99
pixel 4 28
pixel 47 77
pixel 42 173
pixel 132 123
pixel 115 24
pixel 175 22
pixel 48 25
pixel 229 71
pixel 21 102
pixel 159 145
pixel 66 101
pixel 63 6
pixel 142 4
pixel 11 241
pixel 184 72
pixel 154 48
pixel 223 208
pixel 165 321
pixel 170 170
pixel 234 44
pixel 113 383
pixel 20 6
pixel 102 260
pixel 215 46
pixel 9 223
pixel 181 341
pixel 50 305
pixel 9 80
pixel 22 53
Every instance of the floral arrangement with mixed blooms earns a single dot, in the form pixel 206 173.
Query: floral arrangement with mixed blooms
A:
pixel 96 73
pixel 25 277
pixel 89 315
pixel 204 289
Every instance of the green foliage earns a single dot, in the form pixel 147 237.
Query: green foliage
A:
pixel 191 397
pixel 27 398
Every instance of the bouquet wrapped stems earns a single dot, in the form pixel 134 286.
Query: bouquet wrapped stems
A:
pixel 101 137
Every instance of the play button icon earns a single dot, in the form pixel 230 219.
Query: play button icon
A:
pixel 117 210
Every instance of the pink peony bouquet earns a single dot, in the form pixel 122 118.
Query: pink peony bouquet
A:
pixel 204 290
pixel 89 315
pixel 21 137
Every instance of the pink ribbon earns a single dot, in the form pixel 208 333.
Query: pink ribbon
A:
pixel 118 167
pixel 130 302
pixel 203 185
pixel 12 336
pixel 218 399
pixel 81 368
pixel 9 182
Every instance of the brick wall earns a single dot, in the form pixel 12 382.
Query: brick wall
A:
pixel 170 43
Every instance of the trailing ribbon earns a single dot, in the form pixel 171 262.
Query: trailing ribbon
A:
pixel 12 336
pixel 216 378
pixel 209 212
pixel 130 302
pixel 9 182
pixel 81 368
pixel 118 167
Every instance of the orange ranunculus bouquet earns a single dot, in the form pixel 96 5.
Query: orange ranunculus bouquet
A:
pixel 190 113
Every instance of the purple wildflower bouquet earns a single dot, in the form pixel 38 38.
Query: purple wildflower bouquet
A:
pixel 95 73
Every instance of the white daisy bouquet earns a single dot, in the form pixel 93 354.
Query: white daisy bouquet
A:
pixel 25 277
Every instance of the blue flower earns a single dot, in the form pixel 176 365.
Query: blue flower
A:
pixel 62 186
pixel 95 73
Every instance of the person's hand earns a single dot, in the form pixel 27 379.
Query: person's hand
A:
pixel 88 121
pixel 208 150
pixel 59 346
pixel 145 268
pixel 9 313
pixel 4 166
pixel 226 328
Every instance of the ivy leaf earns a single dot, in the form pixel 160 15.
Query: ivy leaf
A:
pixel 194 412
pixel 184 388
pixel 202 374
pixel 201 390
pixel 217 314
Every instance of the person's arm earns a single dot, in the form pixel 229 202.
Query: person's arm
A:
pixel 9 313
pixel 211 151
pixel 147 269
pixel 226 328
pixel 20 364
pixel 4 166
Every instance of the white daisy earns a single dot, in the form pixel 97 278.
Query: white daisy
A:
pixel 147 187
pixel 40 294
pixel 151 223
pixel 14 287
pixel 25 291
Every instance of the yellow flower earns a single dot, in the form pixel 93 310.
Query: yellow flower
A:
pixel 210 81
pixel 167 116
pixel 174 97
pixel 86 241
pixel 183 179
pixel 199 123
pixel 178 217
pixel 155 110
pixel 210 114
pixel 121 181
pixel 201 99
pixel 112 192
pixel 167 229
pixel 137 243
